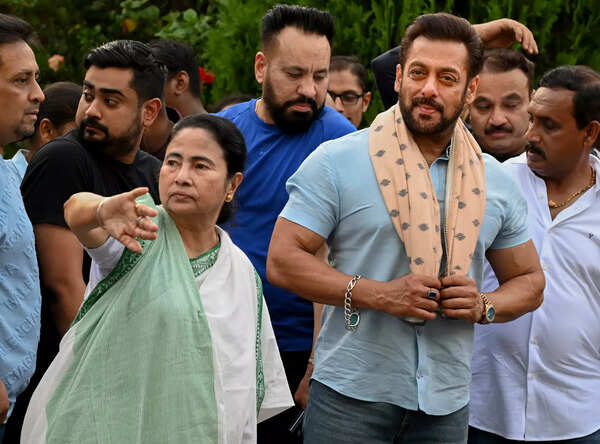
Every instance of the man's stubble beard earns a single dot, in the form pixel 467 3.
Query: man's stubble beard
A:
pixel 444 123
pixel 114 147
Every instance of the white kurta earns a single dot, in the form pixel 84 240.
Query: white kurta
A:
pixel 538 377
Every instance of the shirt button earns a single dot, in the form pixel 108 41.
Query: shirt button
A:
pixel 544 267
pixel 534 341
pixel 531 376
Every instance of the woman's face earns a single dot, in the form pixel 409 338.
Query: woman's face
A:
pixel 193 177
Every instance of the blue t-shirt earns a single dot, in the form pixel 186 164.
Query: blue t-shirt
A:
pixel 335 194
pixel 273 156
pixel 20 297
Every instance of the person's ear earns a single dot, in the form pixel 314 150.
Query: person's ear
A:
pixel 398 81
pixel 260 66
pixel 150 110
pixel 47 131
pixel 591 134
pixel 233 185
pixel 180 83
pixel 472 90
pixel 366 101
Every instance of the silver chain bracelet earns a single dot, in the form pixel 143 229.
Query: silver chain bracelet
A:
pixel 351 315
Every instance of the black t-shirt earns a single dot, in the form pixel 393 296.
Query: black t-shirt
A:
pixel 58 170
pixel 65 166
pixel 384 71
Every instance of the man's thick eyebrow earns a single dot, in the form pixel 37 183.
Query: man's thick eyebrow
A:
pixel 442 69
pixel 303 70
pixel 481 99
pixel 103 90
pixel 512 96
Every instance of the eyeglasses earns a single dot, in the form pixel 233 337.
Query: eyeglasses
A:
pixel 347 98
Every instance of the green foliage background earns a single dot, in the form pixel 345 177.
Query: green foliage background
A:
pixel 225 33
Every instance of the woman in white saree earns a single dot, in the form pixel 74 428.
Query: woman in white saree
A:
pixel 173 343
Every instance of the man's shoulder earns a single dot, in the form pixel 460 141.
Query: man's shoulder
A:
pixel 496 172
pixel 66 148
pixel 237 112
pixel 348 143
pixel 146 161
pixel 334 124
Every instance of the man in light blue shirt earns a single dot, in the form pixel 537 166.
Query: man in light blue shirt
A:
pixel 20 97
pixel 377 377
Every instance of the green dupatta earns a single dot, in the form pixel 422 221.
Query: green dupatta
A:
pixel 142 362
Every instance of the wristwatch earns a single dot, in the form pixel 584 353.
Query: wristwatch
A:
pixel 489 312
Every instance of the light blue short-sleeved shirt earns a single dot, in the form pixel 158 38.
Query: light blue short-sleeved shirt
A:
pixel 20 297
pixel 335 194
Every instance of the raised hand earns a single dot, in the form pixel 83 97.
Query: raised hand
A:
pixel 504 32
pixel 126 220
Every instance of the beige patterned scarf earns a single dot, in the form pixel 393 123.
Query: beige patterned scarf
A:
pixel 409 194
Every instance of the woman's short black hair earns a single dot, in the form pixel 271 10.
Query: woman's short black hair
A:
pixel 229 138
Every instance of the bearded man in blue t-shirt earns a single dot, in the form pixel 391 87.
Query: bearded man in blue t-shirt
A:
pixel 281 129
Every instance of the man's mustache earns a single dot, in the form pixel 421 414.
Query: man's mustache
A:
pixel 302 100
pixel 429 102
pixel 531 148
pixel 495 128
pixel 92 122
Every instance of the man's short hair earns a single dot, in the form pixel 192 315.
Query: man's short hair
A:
pixel 148 74
pixel 352 64
pixel 443 26
pixel 309 20
pixel 497 60
pixel 177 56
pixel 585 82
pixel 60 104
pixel 13 29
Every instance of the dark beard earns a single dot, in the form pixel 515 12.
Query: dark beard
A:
pixel 290 121
pixel 114 147
pixel 442 126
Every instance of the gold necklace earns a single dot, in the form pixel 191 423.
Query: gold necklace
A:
pixel 553 204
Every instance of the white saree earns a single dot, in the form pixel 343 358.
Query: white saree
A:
pixel 213 386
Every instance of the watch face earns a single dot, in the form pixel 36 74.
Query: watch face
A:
pixel 490 313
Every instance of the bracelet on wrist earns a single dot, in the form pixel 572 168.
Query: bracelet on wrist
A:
pixel 351 315
pixel 98 208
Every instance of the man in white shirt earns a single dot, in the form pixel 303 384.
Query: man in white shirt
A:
pixel 538 378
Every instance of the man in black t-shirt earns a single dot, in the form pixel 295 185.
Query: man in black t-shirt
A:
pixel 122 94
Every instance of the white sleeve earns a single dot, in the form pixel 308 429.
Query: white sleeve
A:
pixel 277 392
pixel 104 260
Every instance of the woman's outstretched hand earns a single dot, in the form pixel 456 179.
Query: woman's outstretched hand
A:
pixel 126 220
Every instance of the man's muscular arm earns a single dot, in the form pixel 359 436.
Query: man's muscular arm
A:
pixel 61 259
pixel 292 264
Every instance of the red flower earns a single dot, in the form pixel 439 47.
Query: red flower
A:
pixel 205 76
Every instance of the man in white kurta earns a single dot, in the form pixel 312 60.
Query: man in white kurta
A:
pixel 537 378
